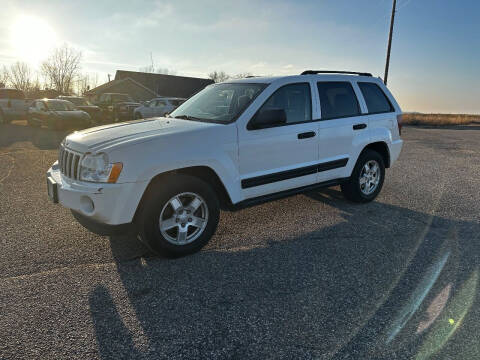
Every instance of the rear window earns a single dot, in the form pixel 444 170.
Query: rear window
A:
pixel 176 102
pixel 337 99
pixel 377 101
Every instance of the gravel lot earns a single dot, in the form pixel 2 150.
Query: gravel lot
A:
pixel 310 276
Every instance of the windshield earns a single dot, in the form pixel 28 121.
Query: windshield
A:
pixel 60 105
pixel 220 103
pixel 79 101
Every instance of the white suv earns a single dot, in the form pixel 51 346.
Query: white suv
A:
pixel 232 144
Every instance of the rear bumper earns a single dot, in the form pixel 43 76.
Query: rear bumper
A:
pixel 395 150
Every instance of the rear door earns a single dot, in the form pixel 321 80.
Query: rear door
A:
pixel 381 112
pixel 285 156
pixel 343 130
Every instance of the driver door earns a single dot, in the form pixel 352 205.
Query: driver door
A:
pixel 285 156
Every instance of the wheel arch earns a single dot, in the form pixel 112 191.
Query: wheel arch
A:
pixel 380 147
pixel 205 173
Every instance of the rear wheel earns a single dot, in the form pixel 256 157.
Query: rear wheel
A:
pixel 138 116
pixel 367 178
pixel 179 216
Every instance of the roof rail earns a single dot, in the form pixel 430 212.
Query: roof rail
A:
pixel 310 72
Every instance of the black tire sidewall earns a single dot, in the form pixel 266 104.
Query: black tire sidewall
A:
pixel 366 156
pixel 148 223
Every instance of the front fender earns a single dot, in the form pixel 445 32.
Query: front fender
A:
pixel 215 148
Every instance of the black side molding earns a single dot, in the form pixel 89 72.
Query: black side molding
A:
pixel 282 194
pixel 290 174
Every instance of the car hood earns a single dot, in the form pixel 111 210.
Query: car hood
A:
pixel 88 107
pixel 102 138
pixel 77 114
pixel 127 103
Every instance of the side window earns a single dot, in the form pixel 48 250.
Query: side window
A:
pixel 152 103
pixel 161 103
pixel 337 99
pixel 294 99
pixel 377 101
pixel 40 106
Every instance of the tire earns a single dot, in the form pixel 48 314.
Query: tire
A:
pixel 365 183
pixel 138 116
pixel 181 233
pixel 3 119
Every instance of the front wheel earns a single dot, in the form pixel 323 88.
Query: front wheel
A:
pixel 367 178
pixel 179 216
pixel 138 116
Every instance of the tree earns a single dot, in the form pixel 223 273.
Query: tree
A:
pixel 85 82
pixel 3 77
pixel 151 69
pixel 61 68
pixel 19 76
pixel 243 75
pixel 218 76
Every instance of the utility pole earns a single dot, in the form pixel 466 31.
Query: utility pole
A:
pixel 392 20
pixel 108 77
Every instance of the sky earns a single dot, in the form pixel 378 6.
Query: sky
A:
pixel 435 63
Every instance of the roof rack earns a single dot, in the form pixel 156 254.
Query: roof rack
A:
pixel 310 72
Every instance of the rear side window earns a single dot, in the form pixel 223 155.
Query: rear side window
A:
pixel 337 100
pixel 295 99
pixel 377 101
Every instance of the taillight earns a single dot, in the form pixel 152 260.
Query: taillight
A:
pixel 399 123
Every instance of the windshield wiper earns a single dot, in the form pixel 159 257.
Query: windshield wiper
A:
pixel 187 117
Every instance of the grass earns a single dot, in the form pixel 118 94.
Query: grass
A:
pixel 439 119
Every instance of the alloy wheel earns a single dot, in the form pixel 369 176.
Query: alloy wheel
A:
pixel 183 218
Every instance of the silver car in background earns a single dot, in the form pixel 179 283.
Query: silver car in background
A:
pixel 157 107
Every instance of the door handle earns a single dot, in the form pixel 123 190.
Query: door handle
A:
pixel 359 126
pixel 306 135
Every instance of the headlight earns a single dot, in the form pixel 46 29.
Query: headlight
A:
pixel 96 168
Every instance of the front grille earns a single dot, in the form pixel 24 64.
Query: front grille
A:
pixel 69 163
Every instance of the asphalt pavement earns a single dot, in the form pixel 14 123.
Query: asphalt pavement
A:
pixel 306 277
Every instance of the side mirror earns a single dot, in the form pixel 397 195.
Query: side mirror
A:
pixel 268 118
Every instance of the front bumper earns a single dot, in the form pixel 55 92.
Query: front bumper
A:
pixel 108 204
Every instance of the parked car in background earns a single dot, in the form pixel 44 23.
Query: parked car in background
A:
pixel 83 104
pixel 117 107
pixel 13 105
pixel 157 107
pixel 57 115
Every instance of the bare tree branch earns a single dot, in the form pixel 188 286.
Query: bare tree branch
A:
pixel 61 68
pixel 218 76
pixel 19 76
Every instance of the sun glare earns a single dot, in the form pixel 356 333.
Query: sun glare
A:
pixel 32 39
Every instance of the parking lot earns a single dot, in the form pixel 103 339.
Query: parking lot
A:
pixel 309 276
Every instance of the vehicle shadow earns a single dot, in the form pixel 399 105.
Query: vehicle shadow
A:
pixel 41 138
pixel 388 287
